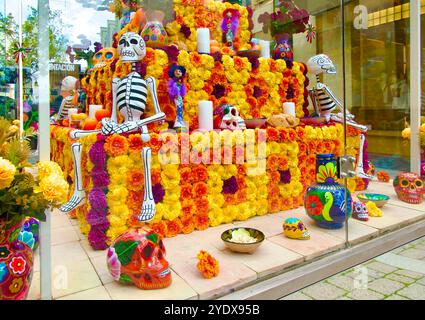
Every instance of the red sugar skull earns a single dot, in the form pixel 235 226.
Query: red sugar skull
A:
pixel 409 187
pixel 138 256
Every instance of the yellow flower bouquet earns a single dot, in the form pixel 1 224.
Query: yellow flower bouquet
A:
pixel 22 193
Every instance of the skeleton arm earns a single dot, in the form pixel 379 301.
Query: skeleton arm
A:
pixel 115 83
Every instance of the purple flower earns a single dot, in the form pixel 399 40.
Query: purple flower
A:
pixel 285 176
pixel 219 91
pixel 218 56
pixel 97 200
pixel 186 31
pixel 290 93
pixel 158 192
pixel 257 92
pixel 27 107
pixel 255 63
pixel 172 52
pixel 97 46
pixel 98 238
pixel 97 154
pixel 141 69
pixel 95 219
pixel 230 186
pixel 99 177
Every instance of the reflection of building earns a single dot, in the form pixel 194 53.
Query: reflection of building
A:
pixel 106 33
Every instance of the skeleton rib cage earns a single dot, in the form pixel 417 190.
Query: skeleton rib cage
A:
pixel 325 103
pixel 131 96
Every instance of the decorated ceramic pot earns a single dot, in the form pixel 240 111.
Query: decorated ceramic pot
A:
pixel 409 187
pixel 154 32
pixel 294 228
pixel 16 262
pixel 30 233
pixel 138 257
pixel 325 200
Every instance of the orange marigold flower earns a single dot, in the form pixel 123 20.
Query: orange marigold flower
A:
pixel 273 190
pixel 283 163
pixel 241 169
pixel 200 189
pixel 174 227
pixel 156 177
pixel 200 173
pixel 196 59
pixel 116 145
pixel 149 57
pixel 201 221
pixel 312 146
pixel 239 64
pixel 229 198
pixel 155 143
pixel 207 265
pixel 135 143
pixel 188 210
pixel 240 196
pixel 134 200
pixel 135 180
pixel 186 175
pixel 160 228
pixel 292 134
pixel 360 184
pixel 188 224
pixel 273 162
pixel 202 206
pixel 274 176
pixel 383 176
pixel 240 180
pixel 186 191
pixel 273 205
pixel 272 134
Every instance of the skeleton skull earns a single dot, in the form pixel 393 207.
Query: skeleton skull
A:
pixel 104 57
pixel 409 187
pixel 138 257
pixel 360 211
pixel 231 119
pixel 321 64
pixel 295 229
pixel 131 47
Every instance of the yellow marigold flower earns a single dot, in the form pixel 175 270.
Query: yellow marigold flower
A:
pixel 7 173
pixel 46 168
pixel 373 209
pixel 406 133
pixel 54 189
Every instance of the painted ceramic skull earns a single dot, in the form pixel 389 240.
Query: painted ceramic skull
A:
pixel 295 229
pixel 138 257
pixel 231 119
pixel 321 64
pixel 131 47
pixel 409 187
pixel 360 211
pixel 104 57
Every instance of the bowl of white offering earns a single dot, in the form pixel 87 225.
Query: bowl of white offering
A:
pixel 243 240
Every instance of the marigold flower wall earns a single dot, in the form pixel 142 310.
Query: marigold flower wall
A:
pixel 193 196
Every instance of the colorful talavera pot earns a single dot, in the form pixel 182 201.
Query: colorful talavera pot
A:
pixel 325 200
pixel 30 233
pixel 16 263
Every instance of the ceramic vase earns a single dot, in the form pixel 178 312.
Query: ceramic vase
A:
pixel 283 48
pixel 154 33
pixel 325 200
pixel 16 264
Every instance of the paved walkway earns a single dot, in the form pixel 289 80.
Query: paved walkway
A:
pixel 396 275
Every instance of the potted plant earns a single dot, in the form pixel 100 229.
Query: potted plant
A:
pixel 25 191
pixel 287 20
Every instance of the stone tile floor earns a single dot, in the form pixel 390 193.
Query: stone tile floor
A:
pixel 79 272
pixel 396 275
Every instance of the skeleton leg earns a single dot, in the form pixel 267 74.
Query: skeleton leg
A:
pixel 79 196
pixel 148 207
pixel 77 134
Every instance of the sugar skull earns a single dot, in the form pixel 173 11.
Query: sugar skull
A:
pixel 104 57
pixel 360 211
pixel 295 229
pixel 138 257
pixel 131 47
pixel 228 118
pixel 321 64
pixel 409 187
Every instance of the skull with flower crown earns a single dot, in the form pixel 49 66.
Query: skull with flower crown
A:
pixel 409 187
pixel 294 228
pixel 138 257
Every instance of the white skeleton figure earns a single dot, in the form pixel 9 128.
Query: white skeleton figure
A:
pixel 325 102
pixel 129 97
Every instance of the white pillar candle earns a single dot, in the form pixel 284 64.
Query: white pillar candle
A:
pixel 72 111
pixel 205 115
pixel 289 108
pixel 265 49
pixel 93 108
pixel 203 39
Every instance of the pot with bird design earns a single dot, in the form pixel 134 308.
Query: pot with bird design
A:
pixel 325 201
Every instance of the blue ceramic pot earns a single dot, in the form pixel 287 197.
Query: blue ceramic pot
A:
pixel 325 200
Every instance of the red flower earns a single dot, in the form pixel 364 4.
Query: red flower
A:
pixel 200 189
pixel 186 191
pixel 201 221
pixel 200 173
pixel 314 205
pixel 160 228
pixel 202 206
pixel 272 134
pixel 17 265
pixel 135 143
pixel 186 175
pixel 188 224
pixel 173 228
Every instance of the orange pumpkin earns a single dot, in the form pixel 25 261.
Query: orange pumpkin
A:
pixel 100 114
pixel 90 124
pixel 214 46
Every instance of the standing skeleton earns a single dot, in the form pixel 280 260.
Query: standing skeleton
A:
pixel 129 97
pixel 325 102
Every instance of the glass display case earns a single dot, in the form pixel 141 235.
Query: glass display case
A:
pixel 281 124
